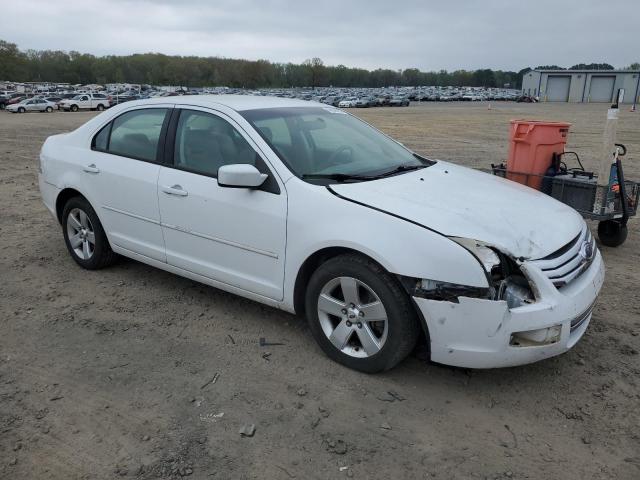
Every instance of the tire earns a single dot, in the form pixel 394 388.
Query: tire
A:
pixel 612 233
pixel 21 110
pixel 74 108
pixel 393 338
pixel 3 106
pixel 49 110
pixel 79 221
pixel 100 107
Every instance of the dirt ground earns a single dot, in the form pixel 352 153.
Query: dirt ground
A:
pixel 111 373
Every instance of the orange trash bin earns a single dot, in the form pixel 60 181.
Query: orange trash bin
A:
pixel 531 147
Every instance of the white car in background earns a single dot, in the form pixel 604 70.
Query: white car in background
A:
pixel 32 105
pixel 306 208
pixel 349 103
pixel 85 101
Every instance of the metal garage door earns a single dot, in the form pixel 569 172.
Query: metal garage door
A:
pixel 558 88
pixel 601 89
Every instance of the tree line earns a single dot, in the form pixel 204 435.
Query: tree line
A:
pixel 158 69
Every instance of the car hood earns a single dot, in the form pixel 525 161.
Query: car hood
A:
pixel 461 202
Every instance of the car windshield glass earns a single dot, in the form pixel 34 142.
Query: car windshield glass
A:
pixel 326 145
pixel 78 97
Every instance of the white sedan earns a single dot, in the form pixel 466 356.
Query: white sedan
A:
pixel 306 208
pixel 32 105
pixel 350 103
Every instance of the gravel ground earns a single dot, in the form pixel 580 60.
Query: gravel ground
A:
pixel 138 373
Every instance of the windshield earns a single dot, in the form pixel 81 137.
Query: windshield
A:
pixel 325 141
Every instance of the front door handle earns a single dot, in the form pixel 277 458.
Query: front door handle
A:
pixel 91 168
pixel 175 190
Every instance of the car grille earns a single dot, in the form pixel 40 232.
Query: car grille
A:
pixel 566 264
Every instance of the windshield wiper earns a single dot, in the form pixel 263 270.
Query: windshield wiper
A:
pixel 399 169
pixel 344 177
pixel 338 177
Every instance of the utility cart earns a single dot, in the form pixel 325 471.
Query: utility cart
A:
pixel 537 158
pixel 580 190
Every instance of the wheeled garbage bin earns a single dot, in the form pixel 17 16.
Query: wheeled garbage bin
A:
pixel 531 147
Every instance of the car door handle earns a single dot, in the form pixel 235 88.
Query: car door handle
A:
pixel 91 168
pixel 175 190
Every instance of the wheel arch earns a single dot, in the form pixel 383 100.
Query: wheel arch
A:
pixel 311 264
pixel 63 197
pixel 320 256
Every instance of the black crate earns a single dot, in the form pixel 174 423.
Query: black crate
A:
pixel 578 192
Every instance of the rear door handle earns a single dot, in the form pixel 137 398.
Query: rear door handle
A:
pixel 175 190
pixel 91 168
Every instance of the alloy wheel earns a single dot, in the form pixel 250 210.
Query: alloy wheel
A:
pixel 352 317
pixel 81 234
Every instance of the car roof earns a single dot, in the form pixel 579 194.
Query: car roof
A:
pixel 235 102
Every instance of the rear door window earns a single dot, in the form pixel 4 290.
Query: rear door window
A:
pixel 134 134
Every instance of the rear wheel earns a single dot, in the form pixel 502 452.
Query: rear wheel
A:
pixel 84 236
pixel 100 107
pixel 360 315
pixel 612 233
pixel 49 109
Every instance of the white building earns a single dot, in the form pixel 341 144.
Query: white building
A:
pixel 581 85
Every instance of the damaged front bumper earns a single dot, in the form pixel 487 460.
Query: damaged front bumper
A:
pixel 480 333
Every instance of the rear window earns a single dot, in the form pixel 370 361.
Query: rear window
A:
pixel 101 140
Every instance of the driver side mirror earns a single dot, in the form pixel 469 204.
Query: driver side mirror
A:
pixel 240 175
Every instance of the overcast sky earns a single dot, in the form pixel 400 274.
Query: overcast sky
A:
pixel 429 35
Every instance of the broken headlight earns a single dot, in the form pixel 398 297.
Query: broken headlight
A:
pixel 505 278
pixel 446 291
pixel 507 281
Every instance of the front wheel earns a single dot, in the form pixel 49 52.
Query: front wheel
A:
pixel 360 315
pixel 612 233
pixel 21 110
pixel 84 236
pixel 74 108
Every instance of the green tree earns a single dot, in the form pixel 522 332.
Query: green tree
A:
pixel 592 66
pixel 316 70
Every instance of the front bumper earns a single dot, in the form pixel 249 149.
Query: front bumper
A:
pixel 477 333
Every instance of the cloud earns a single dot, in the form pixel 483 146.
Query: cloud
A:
pixel 429 35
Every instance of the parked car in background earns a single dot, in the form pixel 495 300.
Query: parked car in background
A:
pixel 527 99
pixel 85 101
pixel 55 100
pixel 116 99
pixel 365 102
pixel 32 105
pixel 348 103
pixel 16 99
pixel 383 100
pixel 3 101
pixel 399 101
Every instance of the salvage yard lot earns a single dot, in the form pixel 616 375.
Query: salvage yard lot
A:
pixel 111 372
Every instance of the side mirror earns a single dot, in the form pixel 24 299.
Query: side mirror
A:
pixel 240 175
